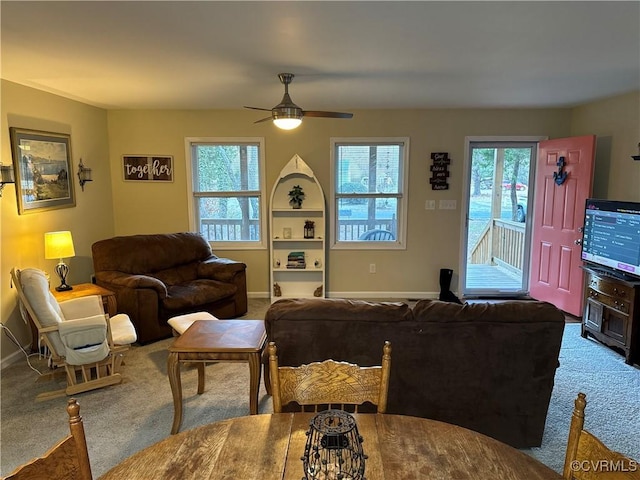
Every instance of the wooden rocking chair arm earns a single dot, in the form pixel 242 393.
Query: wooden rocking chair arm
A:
pixel 48 329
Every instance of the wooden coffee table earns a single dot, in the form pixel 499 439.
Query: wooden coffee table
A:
pixel 209 341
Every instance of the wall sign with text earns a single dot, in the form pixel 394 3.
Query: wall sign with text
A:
pixel 439 171
pixel 148 168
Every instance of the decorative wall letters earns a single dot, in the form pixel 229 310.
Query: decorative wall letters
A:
pixel 155 168
pixel 439 171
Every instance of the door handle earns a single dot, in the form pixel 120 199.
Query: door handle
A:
pixel 578 241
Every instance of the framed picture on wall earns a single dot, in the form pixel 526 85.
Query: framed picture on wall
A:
pixel 42 167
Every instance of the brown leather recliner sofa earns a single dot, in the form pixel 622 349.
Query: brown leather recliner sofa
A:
pixel 156 277
pixel 489 367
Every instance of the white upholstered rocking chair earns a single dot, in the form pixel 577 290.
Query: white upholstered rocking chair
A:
pixel 77 334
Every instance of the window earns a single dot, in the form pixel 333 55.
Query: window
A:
pixel 228 205
pixel 368 201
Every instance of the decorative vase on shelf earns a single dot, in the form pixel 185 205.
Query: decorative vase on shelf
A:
pixel 296 196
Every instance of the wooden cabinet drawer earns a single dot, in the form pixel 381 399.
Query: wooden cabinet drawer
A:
pixel 610 301
pixel 608 287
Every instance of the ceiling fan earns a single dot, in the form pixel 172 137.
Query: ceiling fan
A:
pixel 287 115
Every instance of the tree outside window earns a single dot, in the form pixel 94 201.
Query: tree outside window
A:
pixel 369 192
pixel 227 192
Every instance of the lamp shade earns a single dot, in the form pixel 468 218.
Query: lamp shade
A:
pixel 58 245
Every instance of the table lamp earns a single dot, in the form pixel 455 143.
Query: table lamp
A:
pixel 333 450
pixel 59 245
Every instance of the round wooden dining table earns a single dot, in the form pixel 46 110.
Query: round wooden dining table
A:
pixel 270 447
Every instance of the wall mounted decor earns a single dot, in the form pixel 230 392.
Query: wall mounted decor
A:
pixel 561 175
pixel 6 176
pixel 84 174
pixel 147 168
pixel 439 171
pixel 42 164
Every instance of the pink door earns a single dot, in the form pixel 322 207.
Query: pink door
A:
pixel 564 179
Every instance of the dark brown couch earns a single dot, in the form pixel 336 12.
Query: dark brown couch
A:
pixel 488 367
pixel 156 277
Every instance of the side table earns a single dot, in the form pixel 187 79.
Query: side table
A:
pixel 80 290
pixel 207 341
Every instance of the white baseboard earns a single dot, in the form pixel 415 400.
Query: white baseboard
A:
pixel 257 294
pixel 390 295
pixel 13 358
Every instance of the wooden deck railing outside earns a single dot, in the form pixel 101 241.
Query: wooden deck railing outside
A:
pixel 220 230
pixel 352 229
pixel 500 243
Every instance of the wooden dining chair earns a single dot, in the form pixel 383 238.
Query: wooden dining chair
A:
pixel 67 460
pixel 587 458
pixel 330 383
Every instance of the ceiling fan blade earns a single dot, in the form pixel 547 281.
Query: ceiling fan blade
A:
pixel 316 113
pixel 266 119
pixel 258 108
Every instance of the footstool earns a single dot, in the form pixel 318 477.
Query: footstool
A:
pixel 220 341
pixel 180 323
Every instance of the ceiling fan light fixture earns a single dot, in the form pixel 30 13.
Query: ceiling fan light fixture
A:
pixel 287 117
pixel 287 123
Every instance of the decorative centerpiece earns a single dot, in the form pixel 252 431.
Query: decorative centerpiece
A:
pixel 309 229
pixel 334 448
pixel 296 196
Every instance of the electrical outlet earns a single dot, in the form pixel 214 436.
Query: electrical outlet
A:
pixel 430 205
pixel 372 268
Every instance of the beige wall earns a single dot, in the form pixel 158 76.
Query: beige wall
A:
pixel 616 122
pixel 22 236
pixel 109 206
pixel 433 236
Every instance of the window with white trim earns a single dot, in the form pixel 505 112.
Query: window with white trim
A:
pixel 227 188
pixel 369 201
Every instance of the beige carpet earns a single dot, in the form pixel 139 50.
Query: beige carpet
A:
pixel 123 419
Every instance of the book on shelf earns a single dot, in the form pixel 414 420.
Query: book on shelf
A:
pixel 296 260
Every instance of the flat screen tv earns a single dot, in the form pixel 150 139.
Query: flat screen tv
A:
pixel 611 237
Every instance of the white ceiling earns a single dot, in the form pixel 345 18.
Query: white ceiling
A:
pixel 346 55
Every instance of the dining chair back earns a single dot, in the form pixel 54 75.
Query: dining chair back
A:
pixel 330 384
pixel 587 458
pixel 67 460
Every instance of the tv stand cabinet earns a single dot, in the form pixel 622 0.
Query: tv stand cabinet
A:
pixel 612 312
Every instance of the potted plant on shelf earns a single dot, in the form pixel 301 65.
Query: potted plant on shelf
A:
pixel 296 195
